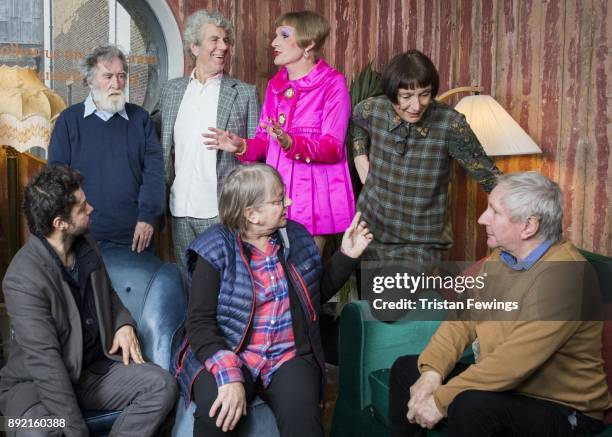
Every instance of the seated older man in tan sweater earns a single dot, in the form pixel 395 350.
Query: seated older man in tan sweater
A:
pixel 540 373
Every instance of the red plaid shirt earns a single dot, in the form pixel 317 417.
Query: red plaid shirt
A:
pixel 272 342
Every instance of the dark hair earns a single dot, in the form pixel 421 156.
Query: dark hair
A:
pixel 50 194
pixel 408 71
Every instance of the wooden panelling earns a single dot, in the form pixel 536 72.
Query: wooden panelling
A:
pixel 597 223
pixel 4 213
pixel 546 62
pixel 28 166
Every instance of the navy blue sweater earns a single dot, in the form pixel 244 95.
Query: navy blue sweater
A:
pixel 122 164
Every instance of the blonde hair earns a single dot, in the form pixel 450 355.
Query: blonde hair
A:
pixel 309 27
pixel 245 186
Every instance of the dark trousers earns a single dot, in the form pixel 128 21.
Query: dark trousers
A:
pixel 483 413
pixel 294 396
pixel 144 393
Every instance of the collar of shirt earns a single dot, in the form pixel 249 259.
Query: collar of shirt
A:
pixel 529 260
pixel 271 248
pixel 421 127
pixel 321 72
pixel 91 108
pixel 210 80
pixel 85 258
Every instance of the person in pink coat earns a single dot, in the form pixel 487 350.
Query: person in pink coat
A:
pixel 302 128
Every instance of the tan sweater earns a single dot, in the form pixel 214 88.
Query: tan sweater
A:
pixel 535 354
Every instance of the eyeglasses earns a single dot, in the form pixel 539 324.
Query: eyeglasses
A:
pixel 278 202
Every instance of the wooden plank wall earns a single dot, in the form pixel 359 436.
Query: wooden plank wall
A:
pixel 545 61
pixel 4 214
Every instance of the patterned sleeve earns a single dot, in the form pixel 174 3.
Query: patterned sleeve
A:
pixel 359 128
pixel 225 367
pixel 468 151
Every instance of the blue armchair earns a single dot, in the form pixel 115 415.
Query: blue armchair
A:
pixel 152 291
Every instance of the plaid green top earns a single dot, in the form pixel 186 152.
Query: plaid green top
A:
pixel 405 194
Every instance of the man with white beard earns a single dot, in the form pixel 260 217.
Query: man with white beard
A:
pixel 114 146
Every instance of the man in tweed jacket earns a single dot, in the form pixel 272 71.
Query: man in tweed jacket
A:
pixel 187 108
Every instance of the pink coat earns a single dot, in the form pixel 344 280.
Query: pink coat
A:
pixel 315 112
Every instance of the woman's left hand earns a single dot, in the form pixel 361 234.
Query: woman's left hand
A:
pixel 276 131
pixel 356 238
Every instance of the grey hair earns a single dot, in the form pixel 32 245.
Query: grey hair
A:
pixel 194 23
pixel 531 194
pixel 100 54
pixel 245 186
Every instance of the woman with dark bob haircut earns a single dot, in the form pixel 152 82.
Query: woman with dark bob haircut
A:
pixel 303 125
pixel 402 143
pixel 252 325
pixel 411 70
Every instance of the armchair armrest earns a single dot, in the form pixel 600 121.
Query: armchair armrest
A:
pixel 367 344
pixel 153 293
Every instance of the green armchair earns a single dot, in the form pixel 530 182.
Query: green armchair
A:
pixel 368 348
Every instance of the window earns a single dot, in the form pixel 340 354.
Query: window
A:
pixel 54 35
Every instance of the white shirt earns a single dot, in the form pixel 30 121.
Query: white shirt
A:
pixel 194 191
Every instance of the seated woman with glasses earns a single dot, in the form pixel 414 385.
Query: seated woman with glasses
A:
pixel 253 326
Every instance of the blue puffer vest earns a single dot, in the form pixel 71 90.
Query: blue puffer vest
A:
pixel 224 250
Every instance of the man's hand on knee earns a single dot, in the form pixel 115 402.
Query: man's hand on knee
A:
pixel 425 413
pixel 126 340
pixel 232 401
pixel 424 387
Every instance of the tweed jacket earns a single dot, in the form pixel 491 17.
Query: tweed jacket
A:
pixel 47 341
pixel 237 112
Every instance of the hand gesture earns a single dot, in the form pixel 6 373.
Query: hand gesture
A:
pixel 275 130
pixel 143 232
pixel 232 401
pixel 356 238
pixel 218 139
pixel 126 340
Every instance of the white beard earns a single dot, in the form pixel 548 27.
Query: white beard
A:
pixel 110 104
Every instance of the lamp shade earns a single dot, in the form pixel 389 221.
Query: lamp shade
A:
pixel 28 109
pixel 496 130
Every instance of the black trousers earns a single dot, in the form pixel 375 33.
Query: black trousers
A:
pixel 484 413
pixel 294 395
